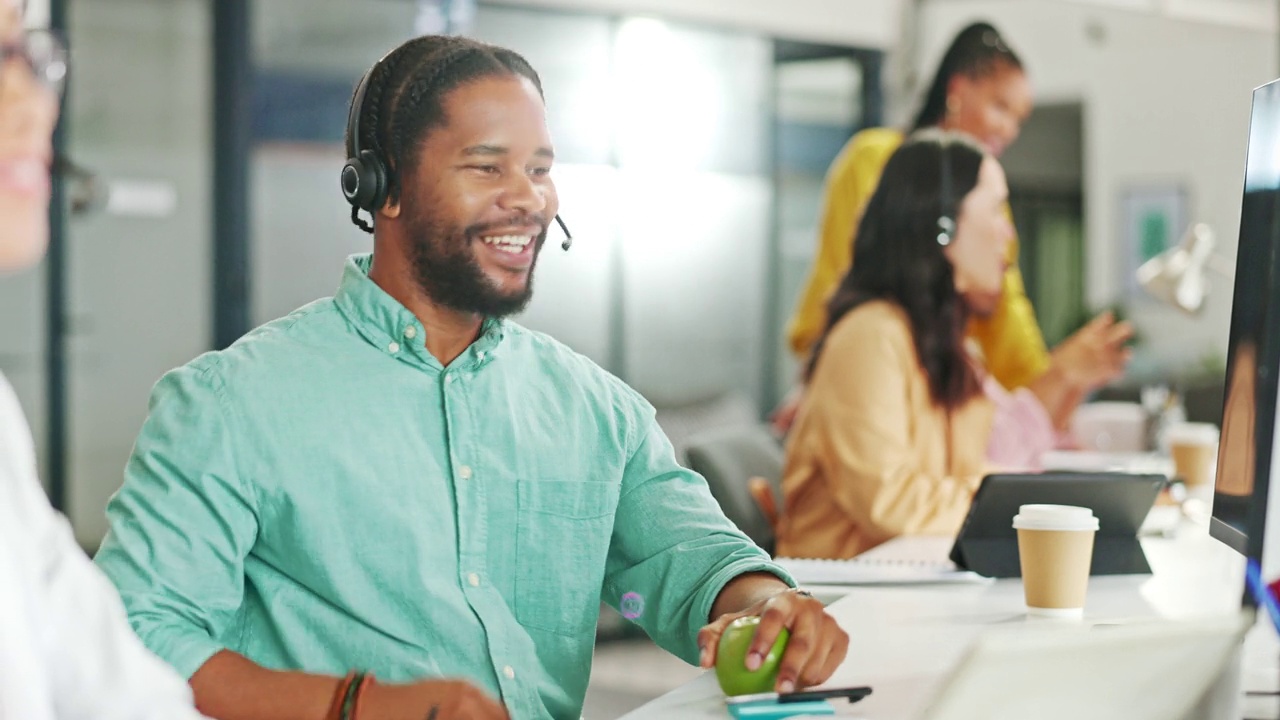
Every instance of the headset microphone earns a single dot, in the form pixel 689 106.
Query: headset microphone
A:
pixel 946 214
pixel 86 192
pixel 568 239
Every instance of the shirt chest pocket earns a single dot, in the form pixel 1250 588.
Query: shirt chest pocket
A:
pixel 563 529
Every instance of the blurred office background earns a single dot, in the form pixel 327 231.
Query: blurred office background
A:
pixel 692 138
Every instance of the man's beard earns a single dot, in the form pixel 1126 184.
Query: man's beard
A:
pixel 448 272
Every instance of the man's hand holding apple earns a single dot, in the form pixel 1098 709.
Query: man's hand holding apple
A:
pixel 815 648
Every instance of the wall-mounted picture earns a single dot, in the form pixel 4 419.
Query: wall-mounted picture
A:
pixel 1153 218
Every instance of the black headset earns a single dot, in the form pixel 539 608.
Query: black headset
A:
pixel 946 223
pixel 365 179
pixel 364 176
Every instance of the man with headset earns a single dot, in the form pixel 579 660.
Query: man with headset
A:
pixel 398 483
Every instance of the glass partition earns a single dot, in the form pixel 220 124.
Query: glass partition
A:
pixel 139 264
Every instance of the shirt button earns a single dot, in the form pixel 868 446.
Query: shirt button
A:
pixel 509 672
pixel 474 579
pixel 464 472
pixel 449 379
pixel 411 332
pixel 394 347
pixel 480 355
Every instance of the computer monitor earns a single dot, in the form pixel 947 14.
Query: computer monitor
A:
pixel 1241 507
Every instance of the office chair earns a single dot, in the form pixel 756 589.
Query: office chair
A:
pixel 729 458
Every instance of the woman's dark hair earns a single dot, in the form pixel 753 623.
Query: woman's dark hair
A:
pixel 900 258
pixel 977 51
pixel 405 98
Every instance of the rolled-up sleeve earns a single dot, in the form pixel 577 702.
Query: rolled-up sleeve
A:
pixel 183 522
pixel 672 549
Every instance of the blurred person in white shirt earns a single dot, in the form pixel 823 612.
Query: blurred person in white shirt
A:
pixel 66 649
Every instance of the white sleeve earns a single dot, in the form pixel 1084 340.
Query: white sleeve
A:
pixel 98 667
pixel 90 661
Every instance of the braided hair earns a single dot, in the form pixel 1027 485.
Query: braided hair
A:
pixel 975 53
pixel 405 97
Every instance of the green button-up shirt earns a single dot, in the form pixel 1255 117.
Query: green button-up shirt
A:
pixel 325 496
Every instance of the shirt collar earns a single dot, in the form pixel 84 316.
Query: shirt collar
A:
pixel 386 324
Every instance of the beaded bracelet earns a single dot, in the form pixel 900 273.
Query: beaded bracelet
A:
pixel 339 695
pixel 365 681
pixel 349 698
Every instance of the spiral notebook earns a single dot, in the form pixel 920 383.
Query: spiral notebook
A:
pixel 906 560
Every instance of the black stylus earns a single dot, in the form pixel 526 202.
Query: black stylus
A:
pixel 854 694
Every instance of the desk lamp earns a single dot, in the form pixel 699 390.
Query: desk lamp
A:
pixel 1177 275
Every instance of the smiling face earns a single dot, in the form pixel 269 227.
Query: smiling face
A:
pixel 979 251
pixel 479 201
pixel 28 111
pixel 990 107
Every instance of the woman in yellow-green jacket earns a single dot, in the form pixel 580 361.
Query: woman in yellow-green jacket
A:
pixel 981 90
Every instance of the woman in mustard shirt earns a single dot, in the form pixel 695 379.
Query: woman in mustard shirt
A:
pixel 981 90
pixel 897 426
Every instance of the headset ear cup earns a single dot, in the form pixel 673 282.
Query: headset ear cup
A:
pixel 373 181
pixel 352 182
pixel 946 230
pixel 364 182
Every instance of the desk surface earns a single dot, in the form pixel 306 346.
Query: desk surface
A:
pixel 904 640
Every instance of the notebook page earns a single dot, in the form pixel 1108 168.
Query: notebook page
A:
pixel 904 560
pixel 930 550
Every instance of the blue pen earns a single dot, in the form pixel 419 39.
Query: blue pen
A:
pixel 1262 594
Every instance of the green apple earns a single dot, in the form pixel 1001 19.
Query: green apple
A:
pixel 731 659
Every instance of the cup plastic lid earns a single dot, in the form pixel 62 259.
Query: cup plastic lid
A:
pixel 1200 433
pixel 1055 517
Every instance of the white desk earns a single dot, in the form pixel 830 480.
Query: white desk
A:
pixel 904 640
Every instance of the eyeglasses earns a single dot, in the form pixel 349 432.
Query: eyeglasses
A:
pixel 44 53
